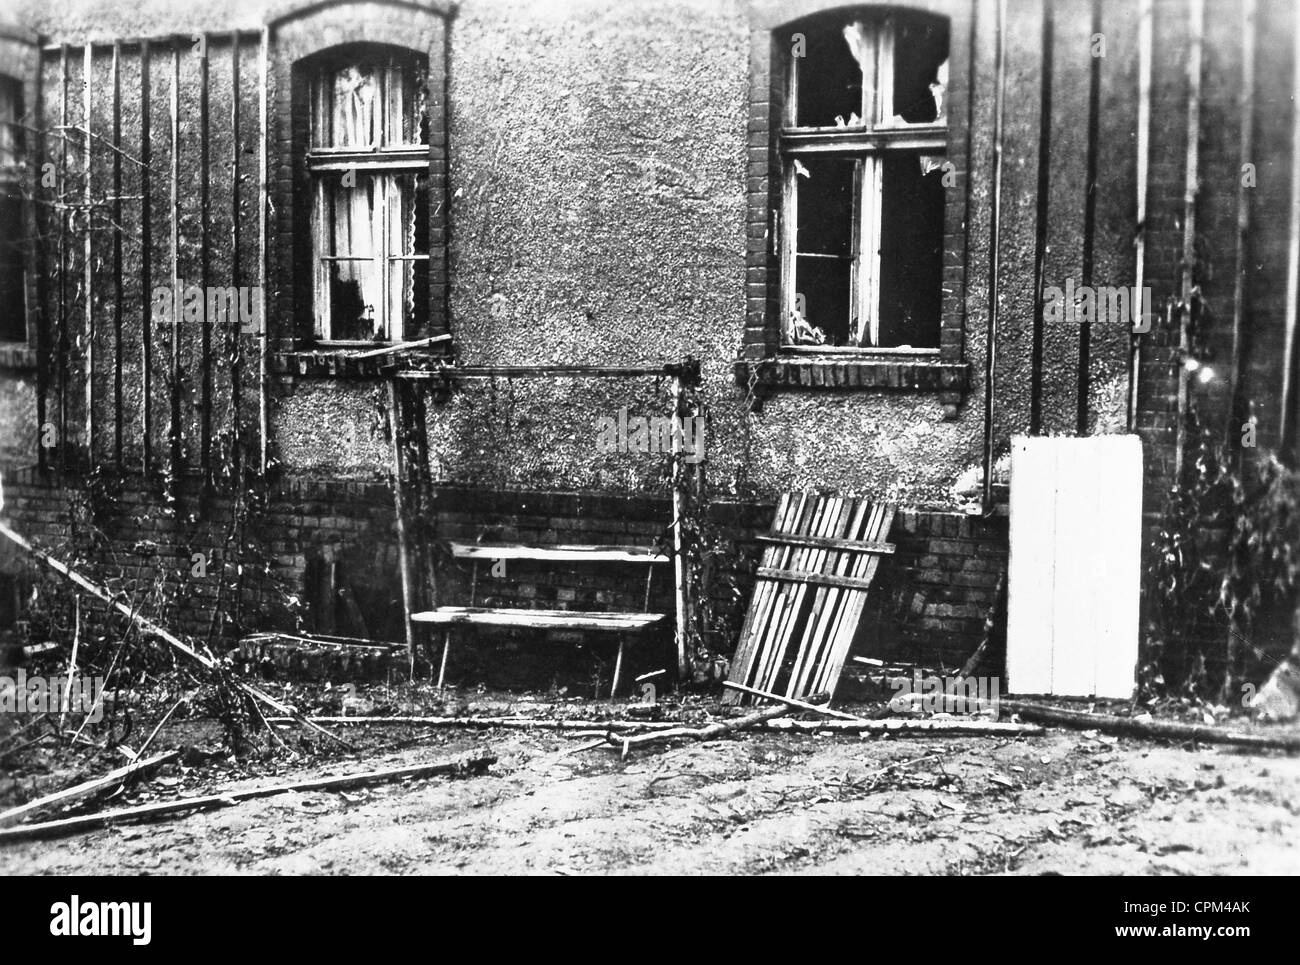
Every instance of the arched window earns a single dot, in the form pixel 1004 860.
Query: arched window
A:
pixel 861 151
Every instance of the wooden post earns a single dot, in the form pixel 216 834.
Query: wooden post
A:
pixel 995 264
pixel 61 361
pixel 88 268
pixel 117 255
pixel 174 211
pixel 399 507
pixel 236 350
pixel 1143 160
pixel 205 330
pixel 679 509
pixel 1089 223
pixel 146 263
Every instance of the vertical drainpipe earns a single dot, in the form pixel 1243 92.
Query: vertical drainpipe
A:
pixel 1140 240
pixel 88 249
pixel 1040 224
pixel 990 356
pixel 1246 132
pixel 1293 249
pixel 1089 222
pixel 1196 28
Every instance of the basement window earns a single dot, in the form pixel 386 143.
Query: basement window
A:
pixel 13 288
pixel 368 160
pixel 862 165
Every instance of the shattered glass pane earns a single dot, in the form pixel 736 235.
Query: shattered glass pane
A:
pixel 911 253
pixel 824 255
pixel 920 68
pixel 830 76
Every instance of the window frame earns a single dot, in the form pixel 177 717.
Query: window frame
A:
pixel 376 161
pixel 867 144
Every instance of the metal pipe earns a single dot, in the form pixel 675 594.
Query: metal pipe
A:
pixel 61 362
pixel 1145 15
pixel 1040 225
pixel 174 209
pixel 1196 30
pixel 990 357
pixel 1246 135
pixel 236 397
pixel 262 202
pixel 205 330
pixel 1089 221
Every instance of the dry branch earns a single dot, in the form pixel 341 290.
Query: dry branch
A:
pixel 1168 730
pixel 711 732
pixel 792 702
pixel 147 625
pixel 87 787
pixel 510 723
pixel 464 765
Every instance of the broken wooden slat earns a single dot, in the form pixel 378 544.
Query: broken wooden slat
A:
pixel 465 765
pixel 811 576
pixel 87 788
pixel 399 347
pixel 745 649
pixel 851 545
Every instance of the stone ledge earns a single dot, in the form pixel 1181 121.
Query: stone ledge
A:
pixel 910 374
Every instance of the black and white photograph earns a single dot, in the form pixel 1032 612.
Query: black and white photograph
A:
pixel 650 438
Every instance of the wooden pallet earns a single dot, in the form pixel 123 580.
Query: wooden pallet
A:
pixel 820 559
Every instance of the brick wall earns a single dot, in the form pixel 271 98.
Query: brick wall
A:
pixel 929 604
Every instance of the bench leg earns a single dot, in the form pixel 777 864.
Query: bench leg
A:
pixel 618 667
pixel 446 645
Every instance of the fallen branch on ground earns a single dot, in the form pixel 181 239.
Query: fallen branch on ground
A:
pixel 712 732
pixel 464 765
pixel 87 787
pixel 147 625
pixel 932 726
pixel 1166 729
pixel 792 702
pixel 510 723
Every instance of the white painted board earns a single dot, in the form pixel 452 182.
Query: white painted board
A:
pixel 1075 569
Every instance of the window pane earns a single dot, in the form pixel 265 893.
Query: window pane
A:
pixel 911 251
pixel 830 73
pixel 408 280
pixel 824 250
pixel 346 224
pixel 368 104
pixel 10 111
pixel 13 322
pixel 920 67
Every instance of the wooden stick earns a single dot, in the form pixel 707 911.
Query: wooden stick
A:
pixel 1163 729
pixel 931 727
pixel 712 732
pixel 87 787
pixel 464 765
pixel 487 723
pixel 72 664
pixel 792 702
pixel 680 576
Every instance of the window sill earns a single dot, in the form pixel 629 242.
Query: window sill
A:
pixel 898 372
pixel 338 362
pixel 17 356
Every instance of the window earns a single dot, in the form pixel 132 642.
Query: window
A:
pixel 368 161
pixel 13 291
pixel 862 150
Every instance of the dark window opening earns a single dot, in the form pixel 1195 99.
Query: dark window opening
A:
pixel 862 172
pixel 13 295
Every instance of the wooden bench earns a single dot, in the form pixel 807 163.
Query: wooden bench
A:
pixel 622 623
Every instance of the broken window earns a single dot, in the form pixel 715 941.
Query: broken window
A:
pixel 370 200
pixel 862 154
pixel 13 298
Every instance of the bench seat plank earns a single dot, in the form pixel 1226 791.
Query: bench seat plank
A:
pixel 561 552
pixel 538 619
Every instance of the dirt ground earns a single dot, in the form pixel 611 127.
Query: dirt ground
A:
pixel 762 803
